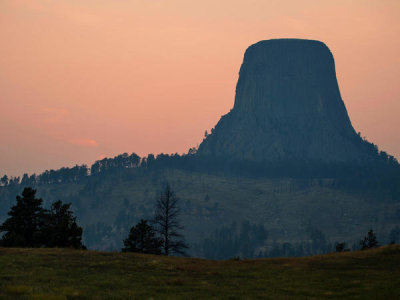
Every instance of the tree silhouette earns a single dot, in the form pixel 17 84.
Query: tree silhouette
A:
pixel 340 247
pixel 22 228
pixel 142 239
pixel 30 225
pixel 369 241
pixel 167 224
pixel 60 228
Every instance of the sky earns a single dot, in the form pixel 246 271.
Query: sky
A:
pixel 85 79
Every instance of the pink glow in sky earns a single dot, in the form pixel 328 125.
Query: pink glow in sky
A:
pixel 84 79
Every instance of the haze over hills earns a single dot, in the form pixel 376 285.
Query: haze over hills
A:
pixel 285 160
pixel 287 106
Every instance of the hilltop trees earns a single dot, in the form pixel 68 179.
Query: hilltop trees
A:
pixel 4 180
pixel 30 225
pixel 243 241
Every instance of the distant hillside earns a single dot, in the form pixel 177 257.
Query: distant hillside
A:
pixel 290 209
pixel 284 168
pixel 69 274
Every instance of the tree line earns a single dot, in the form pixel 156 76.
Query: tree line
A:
pixel 31 225
pixel 234 241
pixel 250 240
pixel 379 175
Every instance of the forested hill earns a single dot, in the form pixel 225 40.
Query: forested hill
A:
pixel 289 209
pixel 384 169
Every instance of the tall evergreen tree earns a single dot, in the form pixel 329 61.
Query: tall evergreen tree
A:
pixel 60 228
pixel 167 223
pixel 142 239
pixel 29 225
pixel 22 228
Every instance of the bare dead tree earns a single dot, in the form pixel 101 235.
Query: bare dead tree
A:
pixel 166 223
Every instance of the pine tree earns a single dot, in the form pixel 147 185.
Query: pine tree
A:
pixel 142 239
pixel 30 225
pixel 22 228
pixel 60 228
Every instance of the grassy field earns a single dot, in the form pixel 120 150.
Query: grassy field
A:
pixel 69 274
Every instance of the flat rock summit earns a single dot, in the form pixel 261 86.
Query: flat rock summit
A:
pixel 287 106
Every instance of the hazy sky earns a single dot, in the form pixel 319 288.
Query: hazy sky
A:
pixel 84 79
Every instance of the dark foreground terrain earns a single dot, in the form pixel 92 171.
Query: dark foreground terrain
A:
pixel 70 274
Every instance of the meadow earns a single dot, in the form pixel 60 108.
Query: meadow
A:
pixel 78 274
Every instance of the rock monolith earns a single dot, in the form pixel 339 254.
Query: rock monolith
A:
pixel 287 106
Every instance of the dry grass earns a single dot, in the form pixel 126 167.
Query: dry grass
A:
pixel 69 274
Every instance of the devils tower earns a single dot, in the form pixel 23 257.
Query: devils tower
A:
pixel 287 106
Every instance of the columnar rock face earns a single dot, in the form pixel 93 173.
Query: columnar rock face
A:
pixel 287 106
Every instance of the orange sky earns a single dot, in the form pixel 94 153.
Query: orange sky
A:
pixel 84 79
